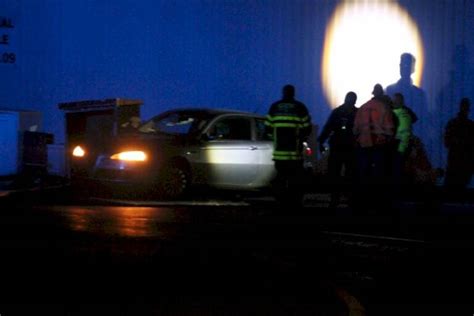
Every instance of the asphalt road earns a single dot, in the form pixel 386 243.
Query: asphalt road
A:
pixel 230 256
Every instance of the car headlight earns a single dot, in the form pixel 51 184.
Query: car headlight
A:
pixel 78 151
pixel 130 156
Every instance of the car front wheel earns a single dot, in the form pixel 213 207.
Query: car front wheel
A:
pixel 173 182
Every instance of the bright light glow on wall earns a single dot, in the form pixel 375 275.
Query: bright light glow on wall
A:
pixel 363 43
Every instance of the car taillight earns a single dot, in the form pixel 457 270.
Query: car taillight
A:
pixel 78 152
pixel 307 150
pixel 130 156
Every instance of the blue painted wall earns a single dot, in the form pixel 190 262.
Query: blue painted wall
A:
pixel 216 53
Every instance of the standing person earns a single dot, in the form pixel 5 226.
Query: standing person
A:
pixel 338 129
pixel 374 131
pixel 415 97
pixel 403 133
pixel 458 139
pixel 289 123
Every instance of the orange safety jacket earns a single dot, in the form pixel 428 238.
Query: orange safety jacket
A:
pixel 373 124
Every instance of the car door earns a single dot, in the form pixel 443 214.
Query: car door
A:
pixel 229 157
pixel 264 148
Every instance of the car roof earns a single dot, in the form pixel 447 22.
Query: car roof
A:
pixel 213 112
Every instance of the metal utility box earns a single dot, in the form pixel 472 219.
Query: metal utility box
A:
pixel 35 151
pixel 13 126
pixel 92 123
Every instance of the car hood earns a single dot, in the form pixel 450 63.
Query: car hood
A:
pixel 144 142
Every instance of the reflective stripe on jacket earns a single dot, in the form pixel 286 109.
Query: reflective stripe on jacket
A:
pixel 289 124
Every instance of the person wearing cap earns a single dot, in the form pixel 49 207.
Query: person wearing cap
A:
pixel 289 124
pixel 338 129
pixel 374 130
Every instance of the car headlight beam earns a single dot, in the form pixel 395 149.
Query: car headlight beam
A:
pixel 78 152
pixel 130 156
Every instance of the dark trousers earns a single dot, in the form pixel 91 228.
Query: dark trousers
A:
pixel 288 183
pixel 397 178
pixel 459 171
pixel 373 178
pixel 340 159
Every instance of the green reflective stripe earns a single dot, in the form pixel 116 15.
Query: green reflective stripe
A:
pixel 293 125
pixel 286 118
pixel 307 124
pixel 286 154
pixel 285 158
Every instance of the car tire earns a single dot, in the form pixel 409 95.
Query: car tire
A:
pixel 173 182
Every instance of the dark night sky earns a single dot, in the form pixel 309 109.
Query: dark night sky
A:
pixel 227 53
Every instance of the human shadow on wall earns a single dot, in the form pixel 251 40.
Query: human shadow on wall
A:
pixel 460 84
pixel 415 98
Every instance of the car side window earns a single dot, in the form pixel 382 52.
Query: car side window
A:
pixel 262 132
pixel 231 128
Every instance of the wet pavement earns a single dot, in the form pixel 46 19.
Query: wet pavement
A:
pixel 236 255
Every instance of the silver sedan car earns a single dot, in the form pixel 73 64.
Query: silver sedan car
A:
pixel 179 148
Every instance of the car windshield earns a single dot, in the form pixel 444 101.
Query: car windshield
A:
pixel 175 123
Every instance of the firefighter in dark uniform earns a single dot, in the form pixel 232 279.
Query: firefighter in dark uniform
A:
pixel 289 124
